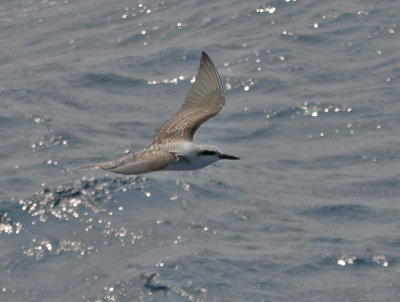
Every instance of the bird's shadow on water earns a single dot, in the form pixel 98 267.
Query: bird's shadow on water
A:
pixel 153 285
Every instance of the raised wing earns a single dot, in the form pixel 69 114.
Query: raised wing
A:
pixel 204 101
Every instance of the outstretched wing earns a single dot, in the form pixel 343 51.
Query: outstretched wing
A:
pixel 204 101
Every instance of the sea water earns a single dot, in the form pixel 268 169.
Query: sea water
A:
pixel 310 213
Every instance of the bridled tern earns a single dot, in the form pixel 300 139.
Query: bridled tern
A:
pixel 173 148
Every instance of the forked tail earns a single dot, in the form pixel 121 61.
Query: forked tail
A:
pixel 105 166
pixel 90 167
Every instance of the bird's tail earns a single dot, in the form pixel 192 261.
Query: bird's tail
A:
pixel 105 166
pixel 90 167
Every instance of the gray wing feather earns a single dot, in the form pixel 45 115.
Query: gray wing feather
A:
pixel 147 160
pixel 141 166
pixel 204 101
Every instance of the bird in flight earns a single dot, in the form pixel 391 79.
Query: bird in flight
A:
pixel 173 148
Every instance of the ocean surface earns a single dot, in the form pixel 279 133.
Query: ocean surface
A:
pixel 310 213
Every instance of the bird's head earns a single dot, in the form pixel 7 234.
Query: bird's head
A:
pixel 212 154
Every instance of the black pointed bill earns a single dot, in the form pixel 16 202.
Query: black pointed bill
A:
pixel 226 156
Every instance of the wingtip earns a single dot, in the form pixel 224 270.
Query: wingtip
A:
pixel 205 56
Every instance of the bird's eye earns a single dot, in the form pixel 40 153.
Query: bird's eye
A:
pixel 208 152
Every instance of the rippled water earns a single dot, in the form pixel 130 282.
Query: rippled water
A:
pixel 310 213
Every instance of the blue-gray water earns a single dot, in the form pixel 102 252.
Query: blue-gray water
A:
pixel 310 213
